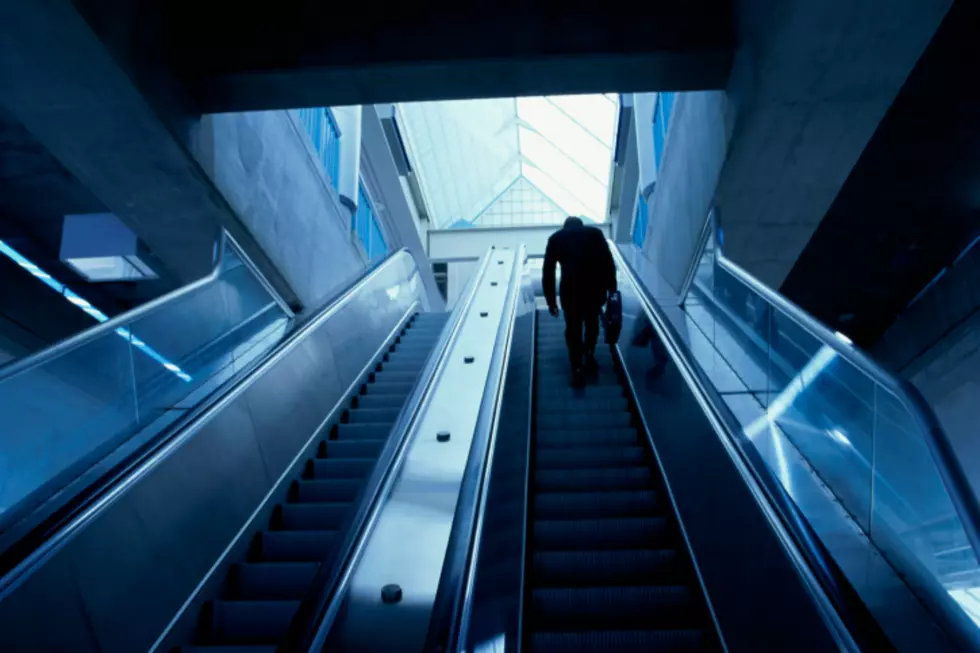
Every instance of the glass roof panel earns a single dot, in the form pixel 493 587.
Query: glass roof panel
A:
pixel 521 204
pixel 468 154
pixel 568 173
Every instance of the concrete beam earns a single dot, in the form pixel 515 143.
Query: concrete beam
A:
pixel 79 100
pixel 240 56
pixel 810 83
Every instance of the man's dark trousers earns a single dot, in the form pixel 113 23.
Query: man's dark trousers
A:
pixel 577 321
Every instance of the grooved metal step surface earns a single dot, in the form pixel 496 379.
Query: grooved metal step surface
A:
pixel 605 567
pixel 263 592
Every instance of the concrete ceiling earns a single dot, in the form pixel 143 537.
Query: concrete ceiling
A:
pixel 294 53
pixel 36 192
pixel 911 204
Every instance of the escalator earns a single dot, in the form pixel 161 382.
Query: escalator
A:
pixel 606 565
pixel 263 592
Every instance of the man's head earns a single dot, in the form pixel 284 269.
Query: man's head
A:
pixel 572 222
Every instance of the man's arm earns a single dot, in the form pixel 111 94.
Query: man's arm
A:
pixel 548 276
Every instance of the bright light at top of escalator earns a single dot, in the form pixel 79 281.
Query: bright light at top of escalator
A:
pixel 82 303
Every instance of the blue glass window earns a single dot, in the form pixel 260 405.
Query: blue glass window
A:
pixel 640 220
pixel 325 136
pixel 661 120
pixel 365 226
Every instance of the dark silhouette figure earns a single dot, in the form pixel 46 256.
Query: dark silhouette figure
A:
pixel 588 275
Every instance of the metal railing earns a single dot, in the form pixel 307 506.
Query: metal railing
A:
pixel 455 594
pixel 83 397
pixel 311 626
pixel 923 418
pixel 39 545
pixel 811 562
pixel 868 436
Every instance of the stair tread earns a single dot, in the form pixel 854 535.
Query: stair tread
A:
pixel 606 567
pixel 272 580
pixel 286 545
pixel 252 622
pixel 342 468
pixel 621 533
pixel 586 608
pixel 622 641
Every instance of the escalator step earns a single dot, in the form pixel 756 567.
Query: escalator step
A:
pixel 374 415
pixel 599 608
pixel 313 516
pixel 354 448
pixel 577 421
pixel 409 349
pixel 328 491
pixel 561 391
pixel 611 437
pixel 622 641
pixel 586 505
pixel 363 431
pixel 590 568
pixel 373 401
pixel 589 457
pixel 297 546
pixel 385 387
pixel 252 622
pixel 549 379
pixel 272 581
pixel 385 376
pixel 560 365
pixel 403 366
pixel 593 480
pixel 608 534
pixel 582 405
pixel 333 468
pixel 228 649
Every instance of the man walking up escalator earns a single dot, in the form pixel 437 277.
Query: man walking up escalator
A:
pixel 588 275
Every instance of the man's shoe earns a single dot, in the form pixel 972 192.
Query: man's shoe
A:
pixel 578 377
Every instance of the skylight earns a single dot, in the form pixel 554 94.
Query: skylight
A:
pixel 553 152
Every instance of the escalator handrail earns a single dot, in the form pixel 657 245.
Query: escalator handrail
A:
pixel 161 303
pixel 812 562
pixel 44 540
pixel 937 441
pixel 312 622
pixel 454 594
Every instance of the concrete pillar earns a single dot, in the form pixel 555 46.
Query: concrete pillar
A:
pixel 349 173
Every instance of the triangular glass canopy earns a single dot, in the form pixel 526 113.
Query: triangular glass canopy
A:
pixel 512 161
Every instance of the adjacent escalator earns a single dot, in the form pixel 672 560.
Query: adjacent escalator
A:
pixel 263 592
pixel 606 568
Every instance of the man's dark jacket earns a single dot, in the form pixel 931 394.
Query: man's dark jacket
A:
pixel 588 272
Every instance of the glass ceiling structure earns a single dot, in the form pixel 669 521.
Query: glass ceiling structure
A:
pixel 512 161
